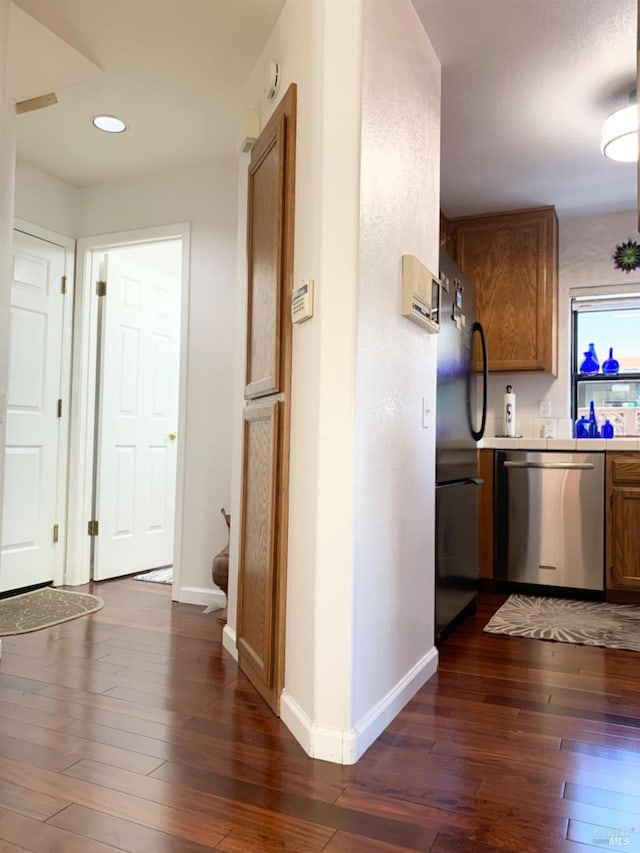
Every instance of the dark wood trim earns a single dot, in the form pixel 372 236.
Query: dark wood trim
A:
pixel 497 213
pixel 623 596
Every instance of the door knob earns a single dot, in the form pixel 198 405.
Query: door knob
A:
pixel 172 436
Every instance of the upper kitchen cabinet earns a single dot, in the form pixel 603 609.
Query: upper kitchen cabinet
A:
pixel 512 258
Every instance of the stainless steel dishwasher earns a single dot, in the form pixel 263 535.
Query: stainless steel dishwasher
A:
pixel 550 518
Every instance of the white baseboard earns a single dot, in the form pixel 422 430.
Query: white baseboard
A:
pixel 346 747
pixel 229 641
pixel 373 723
pixel 207 597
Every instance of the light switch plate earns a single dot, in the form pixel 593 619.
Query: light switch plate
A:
pixel 544 408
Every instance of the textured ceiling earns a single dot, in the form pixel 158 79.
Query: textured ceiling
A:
pixel 172 69
pixel 526 85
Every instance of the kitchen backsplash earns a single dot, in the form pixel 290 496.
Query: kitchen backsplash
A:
pixel 531 427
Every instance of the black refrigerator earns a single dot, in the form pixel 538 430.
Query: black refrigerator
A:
pixel 461 408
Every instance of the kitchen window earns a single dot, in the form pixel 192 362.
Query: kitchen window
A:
pixel 610 321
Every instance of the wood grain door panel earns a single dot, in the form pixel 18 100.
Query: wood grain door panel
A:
pixel 265 227
pixel 512 260
pixel 258 541
pixel 262 570
pixel 625 544
pixel 622 522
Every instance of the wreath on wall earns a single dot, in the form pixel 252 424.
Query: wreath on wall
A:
pixel 627 256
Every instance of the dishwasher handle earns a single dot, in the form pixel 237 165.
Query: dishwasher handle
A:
pixel 557 466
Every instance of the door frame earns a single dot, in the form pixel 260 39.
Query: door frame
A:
pixel 84 401
pixel 69 246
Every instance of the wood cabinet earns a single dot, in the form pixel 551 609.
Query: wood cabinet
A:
pixel 623 523
pixel 446 234
pixel 512 258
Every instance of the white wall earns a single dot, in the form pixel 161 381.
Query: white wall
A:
pixel 206 197
pixel 46 201
pixel 586 246
pixel 165 256
pixel 7 173
pixel 396 360
pixel 319 45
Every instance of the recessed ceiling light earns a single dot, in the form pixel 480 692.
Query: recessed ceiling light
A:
pixel 110 124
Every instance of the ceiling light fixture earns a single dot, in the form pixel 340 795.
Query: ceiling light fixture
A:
pixel 110 124
pixel 619 139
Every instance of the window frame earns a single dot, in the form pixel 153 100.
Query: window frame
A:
pixel 586 296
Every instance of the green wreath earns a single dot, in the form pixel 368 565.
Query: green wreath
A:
pixel 627 256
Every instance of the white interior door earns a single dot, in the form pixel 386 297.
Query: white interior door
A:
pixel 138 412
pixel 33 427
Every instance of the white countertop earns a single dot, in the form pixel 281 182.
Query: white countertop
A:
pixel 561 443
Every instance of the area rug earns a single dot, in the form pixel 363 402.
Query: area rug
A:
pixel 616 626
pixel 156 576
pixel 44 607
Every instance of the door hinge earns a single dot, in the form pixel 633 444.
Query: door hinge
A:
pixel 93 528
pixel 60 407
pixel 56 530
pixel 63 284
pixel 101 288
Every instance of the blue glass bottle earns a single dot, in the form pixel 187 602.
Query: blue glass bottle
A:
pixel 582 427
pixel 607 428
pixel 590 364
pixel 610 365
pixel 593 430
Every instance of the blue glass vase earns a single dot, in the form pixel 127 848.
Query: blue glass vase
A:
pixel 590 364
pixel 582 427
pixel 592 427
pixel 607 428
pixel 610 366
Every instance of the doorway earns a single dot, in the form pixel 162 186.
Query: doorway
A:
pixel 128 404
pixel 37 406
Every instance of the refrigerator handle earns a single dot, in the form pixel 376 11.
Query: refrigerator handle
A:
pixel 478 327
pixel 469 481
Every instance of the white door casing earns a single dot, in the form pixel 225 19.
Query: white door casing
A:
pixel 36 439
pixel 137 419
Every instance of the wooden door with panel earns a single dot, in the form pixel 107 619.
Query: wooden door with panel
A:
pixel 262 575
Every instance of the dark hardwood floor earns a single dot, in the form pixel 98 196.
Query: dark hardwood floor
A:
pixel 132 730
